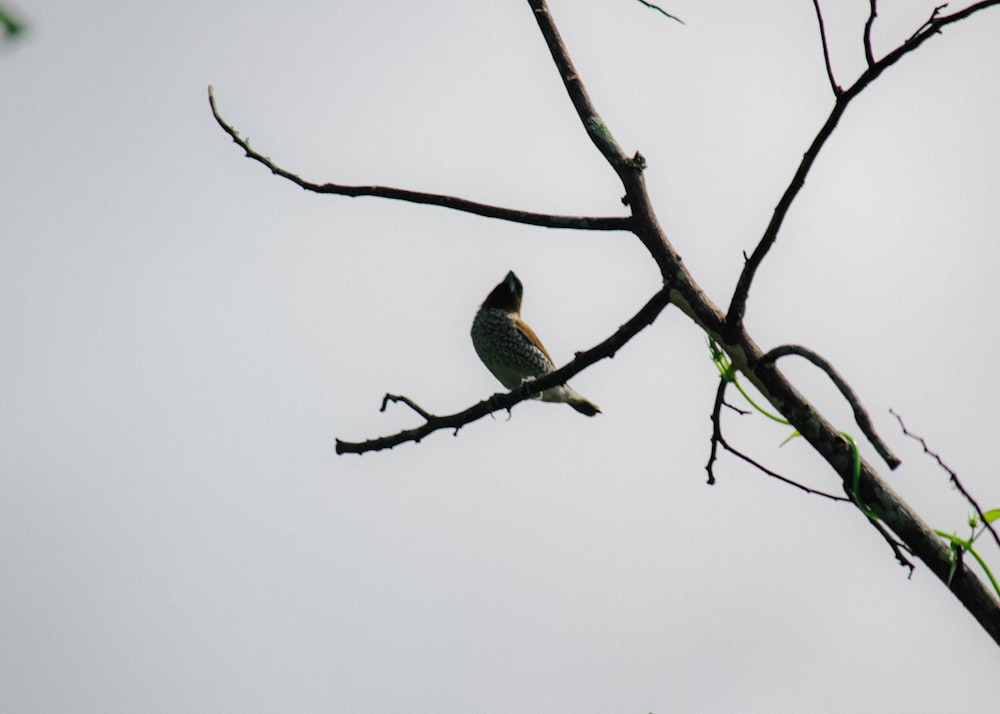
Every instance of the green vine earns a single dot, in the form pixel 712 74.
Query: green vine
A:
pixel 960 545
pixel 728 373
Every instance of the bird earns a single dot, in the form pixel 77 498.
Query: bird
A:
pixel 512 351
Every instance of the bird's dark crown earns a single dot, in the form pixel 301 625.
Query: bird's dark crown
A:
pixel 506 295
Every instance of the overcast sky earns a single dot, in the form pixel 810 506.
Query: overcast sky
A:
pixel 184 336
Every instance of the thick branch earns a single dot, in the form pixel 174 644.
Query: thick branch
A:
pixel 629 170
pixel 897 515
pixel 729 331
pixel 737 305
pixel 589 223
pixel 597 130
pixel 642 319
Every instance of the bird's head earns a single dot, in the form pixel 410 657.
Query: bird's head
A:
pixel 506 295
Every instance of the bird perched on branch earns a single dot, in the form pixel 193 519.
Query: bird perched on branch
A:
pixel 512 351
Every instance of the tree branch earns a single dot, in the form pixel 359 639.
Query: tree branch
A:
pixel 897 547
pixel 629 170
pixel 596 129
pixel 720 397
pixel 872 14
pixel 506 400
pixel 730 332
pixel 589 223
pixel 933 26
pixel 837 90
pixel 860 415
pixel 718 439
pixel 727 329
pixel 660 10
pixel 952 476
pixel 919 538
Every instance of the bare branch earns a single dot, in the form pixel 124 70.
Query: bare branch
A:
pixel 597 130
pixel 730 332
pixel 860 415
pixel 872 14
pixel 720 396
pixel 629 170
pixel 837 90
pixel 933 26
pixel 719 440
pixel 952 476
pixel 405 400
pixel 935 13
pixel 784 479
pixel 897 546
pixel 590 223
pixel 642 319
pixel 660 10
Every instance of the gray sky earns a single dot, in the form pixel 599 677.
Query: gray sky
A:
pixel 184 335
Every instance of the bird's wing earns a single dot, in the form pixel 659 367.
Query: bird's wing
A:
pixel 530 335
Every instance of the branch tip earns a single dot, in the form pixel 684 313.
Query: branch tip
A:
pixel 860 414
pixel 952 476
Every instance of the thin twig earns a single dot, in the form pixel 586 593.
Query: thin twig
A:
pixel 933 26
pixel 590 223
pixel 405 400
pixel 660 10
pixel 837 90
pixel 897 547
pixel 860 415
pixel 719 440
pixel 720 395
pixel 784 479
pixel 930 21
pixel 952 476
pixel 506 400
pixel 872 14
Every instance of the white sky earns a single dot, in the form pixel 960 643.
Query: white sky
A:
pixel 184 335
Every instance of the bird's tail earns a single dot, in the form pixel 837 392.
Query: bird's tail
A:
pixel 585 406
pixel 565 393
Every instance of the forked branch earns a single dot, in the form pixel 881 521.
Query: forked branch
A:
pixel 718 439
pixel 933 26
pixel 680 288
pixel 952 476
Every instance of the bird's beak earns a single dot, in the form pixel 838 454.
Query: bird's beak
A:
pixel 513 284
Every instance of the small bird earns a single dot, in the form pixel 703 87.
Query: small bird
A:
pixel 512 351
